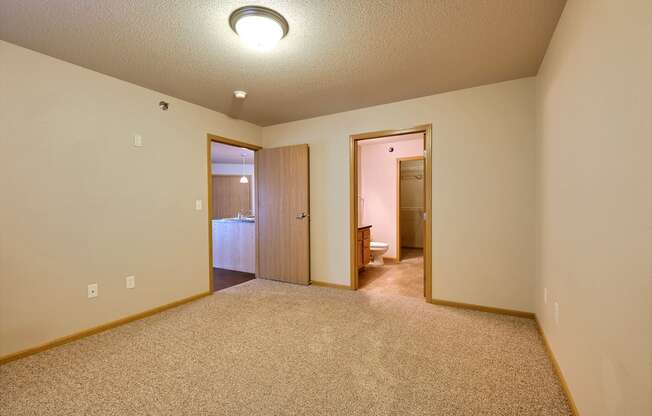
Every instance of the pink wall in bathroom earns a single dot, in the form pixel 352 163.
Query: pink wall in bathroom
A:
pixel 377 184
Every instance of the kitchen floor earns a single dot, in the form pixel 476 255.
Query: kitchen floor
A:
pixel 404 278
pixel 223 278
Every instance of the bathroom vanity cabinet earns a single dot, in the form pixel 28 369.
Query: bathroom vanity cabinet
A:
pixel 364 246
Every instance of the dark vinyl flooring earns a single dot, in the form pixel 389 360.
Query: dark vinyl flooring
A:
pixel 223 278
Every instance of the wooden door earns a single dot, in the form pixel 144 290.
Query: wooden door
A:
pixel 282 214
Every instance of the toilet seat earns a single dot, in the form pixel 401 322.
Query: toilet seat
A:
pixel 378 245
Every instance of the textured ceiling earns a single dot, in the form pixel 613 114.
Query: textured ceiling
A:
pixel 339 54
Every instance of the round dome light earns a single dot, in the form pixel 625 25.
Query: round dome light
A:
pixel 259 27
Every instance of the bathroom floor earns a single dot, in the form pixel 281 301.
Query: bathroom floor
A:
pixel 404 278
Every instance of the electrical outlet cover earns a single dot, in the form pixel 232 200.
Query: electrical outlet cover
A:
pixel 92 290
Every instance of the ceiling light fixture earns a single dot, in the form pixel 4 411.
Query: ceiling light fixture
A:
pixel 259 27
pixel 243 178
pixel 240 94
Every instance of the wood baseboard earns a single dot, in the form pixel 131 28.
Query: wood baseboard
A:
pixel 481 308
pixel 557 368
pixel 331 285
pixel 101 328
pixel 390 260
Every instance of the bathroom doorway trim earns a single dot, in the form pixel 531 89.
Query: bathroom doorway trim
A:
pixel 212 138
pixel 426 129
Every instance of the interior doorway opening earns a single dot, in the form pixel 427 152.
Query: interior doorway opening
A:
pixel 271 199
pixel 390 207
pixel 231 212
pixel 411 206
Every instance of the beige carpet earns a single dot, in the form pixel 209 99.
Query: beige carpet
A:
pixel 404 278
pixel 267 348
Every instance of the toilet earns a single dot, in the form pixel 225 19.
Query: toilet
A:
pixel 378 249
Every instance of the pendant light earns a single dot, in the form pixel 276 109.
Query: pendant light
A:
pixel 243 179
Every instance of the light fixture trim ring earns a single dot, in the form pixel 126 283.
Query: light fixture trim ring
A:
pixel 259 11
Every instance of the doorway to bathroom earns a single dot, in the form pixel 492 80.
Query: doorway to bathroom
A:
pixel 390 211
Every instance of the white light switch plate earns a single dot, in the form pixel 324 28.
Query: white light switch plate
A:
pixel 138 140
pixel 92 290
pixel 198 205
pixel 130 282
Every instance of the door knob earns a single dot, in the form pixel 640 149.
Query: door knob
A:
pixel 302 215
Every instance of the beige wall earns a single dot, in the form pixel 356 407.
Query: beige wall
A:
pixel 483 188
pixel 594 94
pixel 81 205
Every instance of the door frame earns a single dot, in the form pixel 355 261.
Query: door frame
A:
pixel 211 138
pixel 398 200
pixel 426 129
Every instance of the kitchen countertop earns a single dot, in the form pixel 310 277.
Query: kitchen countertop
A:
pixel 249 220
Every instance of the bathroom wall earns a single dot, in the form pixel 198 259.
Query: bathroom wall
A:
pixel 594 104
pixel 80 204
pixel 377 173
pixel 482 188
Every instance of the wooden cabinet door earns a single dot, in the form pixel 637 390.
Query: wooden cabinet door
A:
pixel 282 214
pixel 366 253
pixel 230 196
